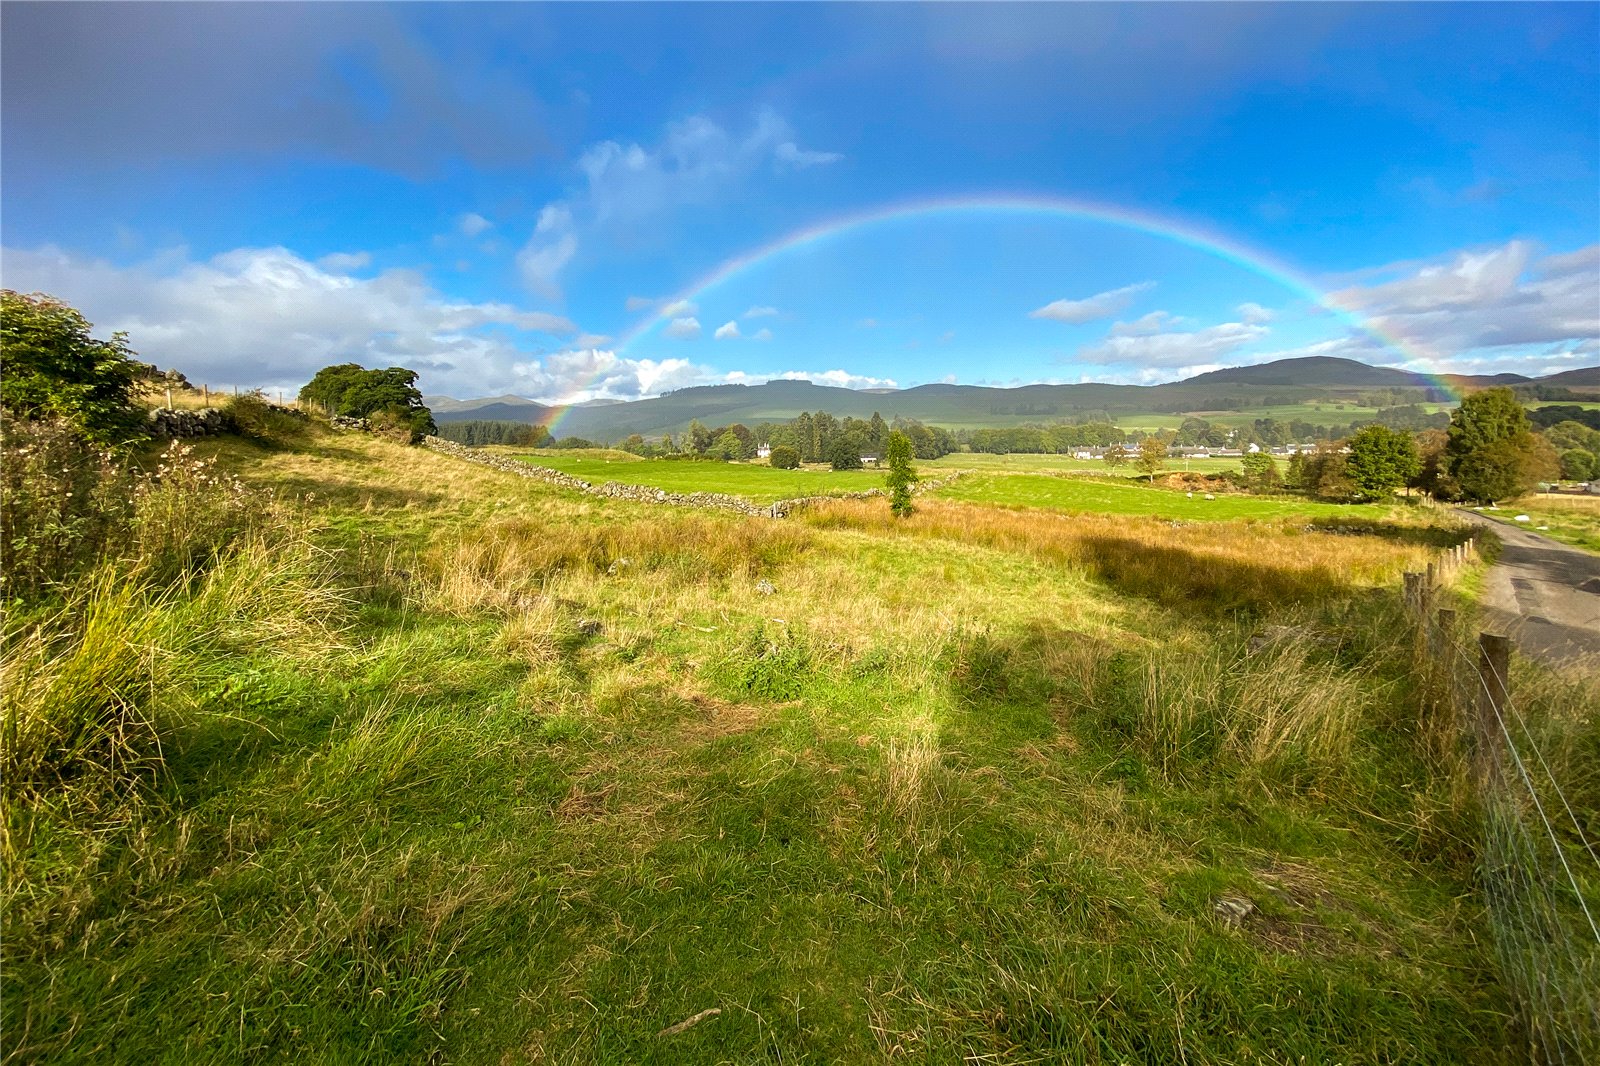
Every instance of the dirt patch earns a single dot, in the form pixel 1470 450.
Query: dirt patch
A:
pixel 1297 913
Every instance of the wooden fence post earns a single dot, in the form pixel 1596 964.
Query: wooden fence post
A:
pixel 1494 666
pixel 1412 580
pixel 205 394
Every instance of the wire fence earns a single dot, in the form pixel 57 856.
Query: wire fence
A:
pixel 1539 856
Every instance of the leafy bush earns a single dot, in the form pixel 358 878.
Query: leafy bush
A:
pixel 55 369
pixel 250 415
pixel 785 458
pixel 773 668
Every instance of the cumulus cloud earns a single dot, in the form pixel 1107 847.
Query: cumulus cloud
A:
pixel 344 262
pixel 473 224
pixel 1100 305
pixel 1254 313
pixel 728 331
pixel 268 317
pixel 762 334
pixel 1488 298
pixel 1151 342
pixel 684 329
pixel 627 189
pixel 677 309
pixel 760 312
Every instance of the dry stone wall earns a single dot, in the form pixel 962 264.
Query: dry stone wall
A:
pixel 644 493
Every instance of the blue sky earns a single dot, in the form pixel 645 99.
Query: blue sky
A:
pixel 501 195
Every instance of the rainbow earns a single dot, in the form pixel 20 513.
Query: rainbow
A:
pixel 1182 232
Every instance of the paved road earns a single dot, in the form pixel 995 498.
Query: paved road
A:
pixel 1544 595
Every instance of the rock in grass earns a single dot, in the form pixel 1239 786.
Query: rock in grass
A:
pixel 1233 910
pixel 765 587
pixel 590 627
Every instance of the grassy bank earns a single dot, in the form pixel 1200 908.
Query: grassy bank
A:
pixel 449 765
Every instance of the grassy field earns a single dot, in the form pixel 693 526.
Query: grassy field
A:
pixel 753 481
pixel 1570 519
pixel 1028 464
pixel 1100 496
pixel 429 762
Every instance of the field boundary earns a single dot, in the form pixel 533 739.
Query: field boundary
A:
pixel 1538 869
pixel 649 494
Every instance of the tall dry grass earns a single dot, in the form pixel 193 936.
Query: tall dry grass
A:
pixel 1212 565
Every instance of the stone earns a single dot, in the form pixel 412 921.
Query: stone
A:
pixel 765 587
pixel 590 627
pixel 1233 910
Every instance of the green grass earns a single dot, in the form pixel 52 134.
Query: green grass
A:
pixel 514 774
pixel 1024 463
pixel 753 481
pixel 1099 496
pixel 1572 520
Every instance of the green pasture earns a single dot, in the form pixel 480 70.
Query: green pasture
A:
pixel 1082 496
pixel 753 481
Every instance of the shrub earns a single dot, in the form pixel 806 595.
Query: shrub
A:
pixel 55 369
pixel 901 476
pixel 785 458
pixel 64 500
pixel 250 415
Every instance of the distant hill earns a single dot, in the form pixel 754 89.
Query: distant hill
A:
pixel 1311 371
pixel 1285 383
pixel 1584 376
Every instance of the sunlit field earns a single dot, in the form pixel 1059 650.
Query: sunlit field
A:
pixel 1101 496
pixel 1571 519
pixel 1026 463
pixel 758 482
pixel 480 770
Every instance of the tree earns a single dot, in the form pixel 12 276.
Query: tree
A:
pixel 901 476
pixel 1116 456
pixel 1152 456
pixel 1577 464
pixel 785 458
pixel 1492 452
pixel 55 368
pixel 844 453
pixel 726 447
pixel 389 396
pixel 1381 459
pixel 1260 471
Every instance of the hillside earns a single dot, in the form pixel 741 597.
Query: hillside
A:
pixel 479 769
pixel 1289 388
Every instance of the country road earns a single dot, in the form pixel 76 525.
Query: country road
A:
pixel 1544 595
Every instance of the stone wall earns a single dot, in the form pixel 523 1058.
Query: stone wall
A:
pixel 204 423
pixel 645 493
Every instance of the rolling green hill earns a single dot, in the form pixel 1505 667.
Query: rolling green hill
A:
pixel 1323 390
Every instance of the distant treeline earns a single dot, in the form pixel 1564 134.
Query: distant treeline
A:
pixel 478 433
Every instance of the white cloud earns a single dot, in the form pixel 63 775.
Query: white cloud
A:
pixel 839 378
pixel 1100 305
pixel 1486 298
pixel 636 304
pixel 1254 314
pixel 344 262
pixel 591 340
pixel 473 224
pixel 947 336
pixel 684 329
pixel 728 331
pixel 760 312
pixel 629 188
pixel 551 247
pixel 677 309
pixel 762 334
pixel 1150 342
pixel 788 154
pixel 267 317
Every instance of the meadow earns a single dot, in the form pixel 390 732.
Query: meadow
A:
pixel 1568 518
pixel 1126 497
pixel 1023 463
pixel 755 481
pixel 418 760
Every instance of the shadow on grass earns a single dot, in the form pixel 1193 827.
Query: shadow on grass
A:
pixel 357 495
pixel 1179 578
